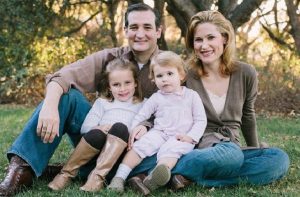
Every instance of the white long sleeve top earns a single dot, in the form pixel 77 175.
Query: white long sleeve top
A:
pixel 106 112
pixel 175 113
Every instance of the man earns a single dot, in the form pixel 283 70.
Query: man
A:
pixel 64 107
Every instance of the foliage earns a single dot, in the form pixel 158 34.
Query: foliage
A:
pixel 282 132
pixel 278 73
pixel 27 84
pixel 28 52
pixel 39 37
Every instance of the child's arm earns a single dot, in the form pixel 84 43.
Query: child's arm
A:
pixel 185 138
pixel 199 118
pixel 148 108
pixel 138 128
pixel 136 134
pixel 93 117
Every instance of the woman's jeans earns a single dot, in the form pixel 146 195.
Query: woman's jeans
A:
pixel 226 164
pixel 223 164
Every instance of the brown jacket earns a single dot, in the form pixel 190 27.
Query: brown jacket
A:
pixel 84 74
pixel 238 111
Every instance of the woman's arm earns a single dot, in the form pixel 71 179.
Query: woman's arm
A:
pixel 248 127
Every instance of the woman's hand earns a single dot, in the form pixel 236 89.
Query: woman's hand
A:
pixel 185 138
pixel 136 134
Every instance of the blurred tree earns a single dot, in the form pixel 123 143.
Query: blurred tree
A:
pixel 40 36
pixel 238 14
pixel 293 11
pixel 285 28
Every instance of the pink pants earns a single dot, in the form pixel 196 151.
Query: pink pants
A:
pixel 164 145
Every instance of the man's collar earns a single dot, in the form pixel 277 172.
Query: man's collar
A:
pixel 130 55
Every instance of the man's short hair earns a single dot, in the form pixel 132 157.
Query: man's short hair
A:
pixel 142 7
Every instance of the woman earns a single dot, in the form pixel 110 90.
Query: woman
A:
pixel 228 89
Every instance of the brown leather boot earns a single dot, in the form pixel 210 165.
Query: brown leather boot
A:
pixel 51 171
pixel 136 183
pixel 178 182
pixel 19 176
pixel 111 151
pixel 80 156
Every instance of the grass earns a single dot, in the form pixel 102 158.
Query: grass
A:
pixel 282 132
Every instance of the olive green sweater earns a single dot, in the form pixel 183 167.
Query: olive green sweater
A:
pixel 238 113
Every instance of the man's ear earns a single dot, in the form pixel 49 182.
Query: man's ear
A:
pixel 126 31
pixel 159 31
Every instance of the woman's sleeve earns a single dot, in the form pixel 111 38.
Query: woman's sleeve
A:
pixel 199 118
pixel 248 127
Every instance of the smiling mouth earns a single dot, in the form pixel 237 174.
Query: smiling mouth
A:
pixel 140 41
pixel 123 95
pixel 206 53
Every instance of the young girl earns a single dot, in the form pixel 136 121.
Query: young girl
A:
pixel 105 127
pixel 179 123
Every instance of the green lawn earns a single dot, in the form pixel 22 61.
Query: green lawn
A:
pixel 282 132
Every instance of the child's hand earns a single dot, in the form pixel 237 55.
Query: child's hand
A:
pixel 136 134
pixel 185 138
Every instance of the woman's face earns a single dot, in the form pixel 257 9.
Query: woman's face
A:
pixel 208 44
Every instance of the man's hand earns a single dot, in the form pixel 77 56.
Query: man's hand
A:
pixel 48 122
pixel 136 134
pixel 185 138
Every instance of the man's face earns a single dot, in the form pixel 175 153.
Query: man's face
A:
pixel 142 34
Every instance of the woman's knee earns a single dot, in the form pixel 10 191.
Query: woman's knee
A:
pixel 96 138
pixel 120 130
pixel 281 161
pixel 228 155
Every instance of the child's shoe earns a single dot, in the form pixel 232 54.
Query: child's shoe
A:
pixel 160 176
pixel 117 184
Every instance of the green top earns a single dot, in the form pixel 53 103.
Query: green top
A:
pixel 238 113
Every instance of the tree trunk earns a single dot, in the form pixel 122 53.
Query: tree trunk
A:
pixel 112 6
pixel 159 5
pixel 242 13
pixel 183 10
pixel 295 22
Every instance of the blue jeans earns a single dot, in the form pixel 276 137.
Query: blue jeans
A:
pixel 73 108
pixel 226 164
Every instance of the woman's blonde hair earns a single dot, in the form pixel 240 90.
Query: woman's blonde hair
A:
pixel 167 58
pixel 119 64
pixel 224 26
